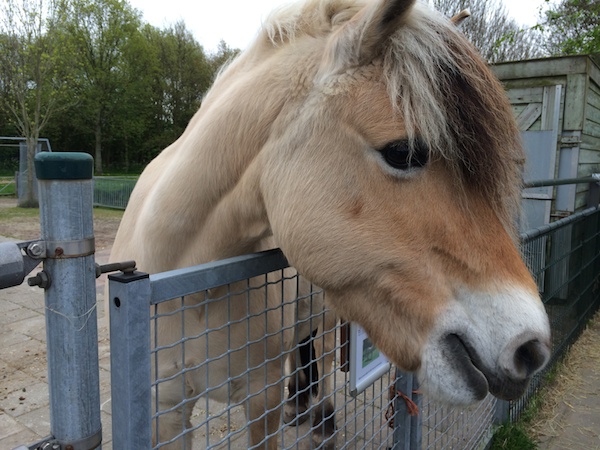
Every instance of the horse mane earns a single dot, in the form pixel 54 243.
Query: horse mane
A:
pixel 445 92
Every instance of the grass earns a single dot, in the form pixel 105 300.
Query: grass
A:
pixel 14 214
pixel 7 186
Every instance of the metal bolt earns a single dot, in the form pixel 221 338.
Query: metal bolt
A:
pixel 59 251
pixel 41 279
pixel 35 250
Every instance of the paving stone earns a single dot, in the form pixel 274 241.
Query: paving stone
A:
pixel 21 437
pixel 21 402
pixel 15 315
pixel 37 420
pixel 9 426
pixel 14 380
pixel 10 338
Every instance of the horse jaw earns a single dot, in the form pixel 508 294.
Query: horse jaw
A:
pixel 485 342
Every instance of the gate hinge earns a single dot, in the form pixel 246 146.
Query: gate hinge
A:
pixel 570 141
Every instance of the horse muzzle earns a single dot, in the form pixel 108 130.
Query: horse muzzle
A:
pixel 494 347
pixel 517 363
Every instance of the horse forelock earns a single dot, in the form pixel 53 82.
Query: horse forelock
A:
pixel 449 98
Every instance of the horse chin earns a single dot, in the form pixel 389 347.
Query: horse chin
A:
pixel 450 375
pixel 478 377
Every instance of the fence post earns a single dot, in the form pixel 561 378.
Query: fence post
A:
pixel 404 423
pixel 130 374
pixel 416 421
pixel 502 412
pixel 69 280
pixel 594 191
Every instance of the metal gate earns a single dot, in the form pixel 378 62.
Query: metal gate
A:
pixel 364 419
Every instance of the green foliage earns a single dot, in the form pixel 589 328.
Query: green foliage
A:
pixel 134 87
pixel 33 70
pixel 114 86
pixel 572 27
pixel 101 32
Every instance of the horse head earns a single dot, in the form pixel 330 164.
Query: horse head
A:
pixel 373 144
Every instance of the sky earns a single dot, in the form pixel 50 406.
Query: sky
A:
pixel 237 21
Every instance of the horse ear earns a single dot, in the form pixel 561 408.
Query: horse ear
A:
pixel 362 38
pixel 382 20
pixel 460 17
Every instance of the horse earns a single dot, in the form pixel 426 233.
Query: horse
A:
pixel 372 144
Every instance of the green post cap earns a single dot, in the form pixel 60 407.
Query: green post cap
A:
pixel 64 166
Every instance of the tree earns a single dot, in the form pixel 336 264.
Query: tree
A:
pixel 497 37
pixel 181 77
pixel 222 56
pixel 100 30
pixel 33 72
pixel 572 27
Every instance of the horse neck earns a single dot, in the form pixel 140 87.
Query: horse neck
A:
pixel 192 179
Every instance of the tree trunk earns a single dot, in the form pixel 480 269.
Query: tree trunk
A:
pixel 29 200
pixel 98 148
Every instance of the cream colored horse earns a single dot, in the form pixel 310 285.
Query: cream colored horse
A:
pixel 373 145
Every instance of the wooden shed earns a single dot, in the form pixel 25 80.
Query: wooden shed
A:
pixel 557 105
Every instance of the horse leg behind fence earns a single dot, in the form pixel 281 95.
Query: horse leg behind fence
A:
pixel 227 347
pixel 309 386
pixel 324 418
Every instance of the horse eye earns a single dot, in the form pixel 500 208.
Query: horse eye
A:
pixel 398 154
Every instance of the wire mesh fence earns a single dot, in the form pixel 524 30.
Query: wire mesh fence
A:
pixel 246 354
pixel 268 349
pixel 113 192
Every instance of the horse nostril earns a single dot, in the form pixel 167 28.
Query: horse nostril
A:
pixel 530 357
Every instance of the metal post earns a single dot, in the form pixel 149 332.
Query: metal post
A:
pixel 402 418
pixel 416 421
pixel 130 373
pixel 65 189
pixel 502 412
pixel 594 193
